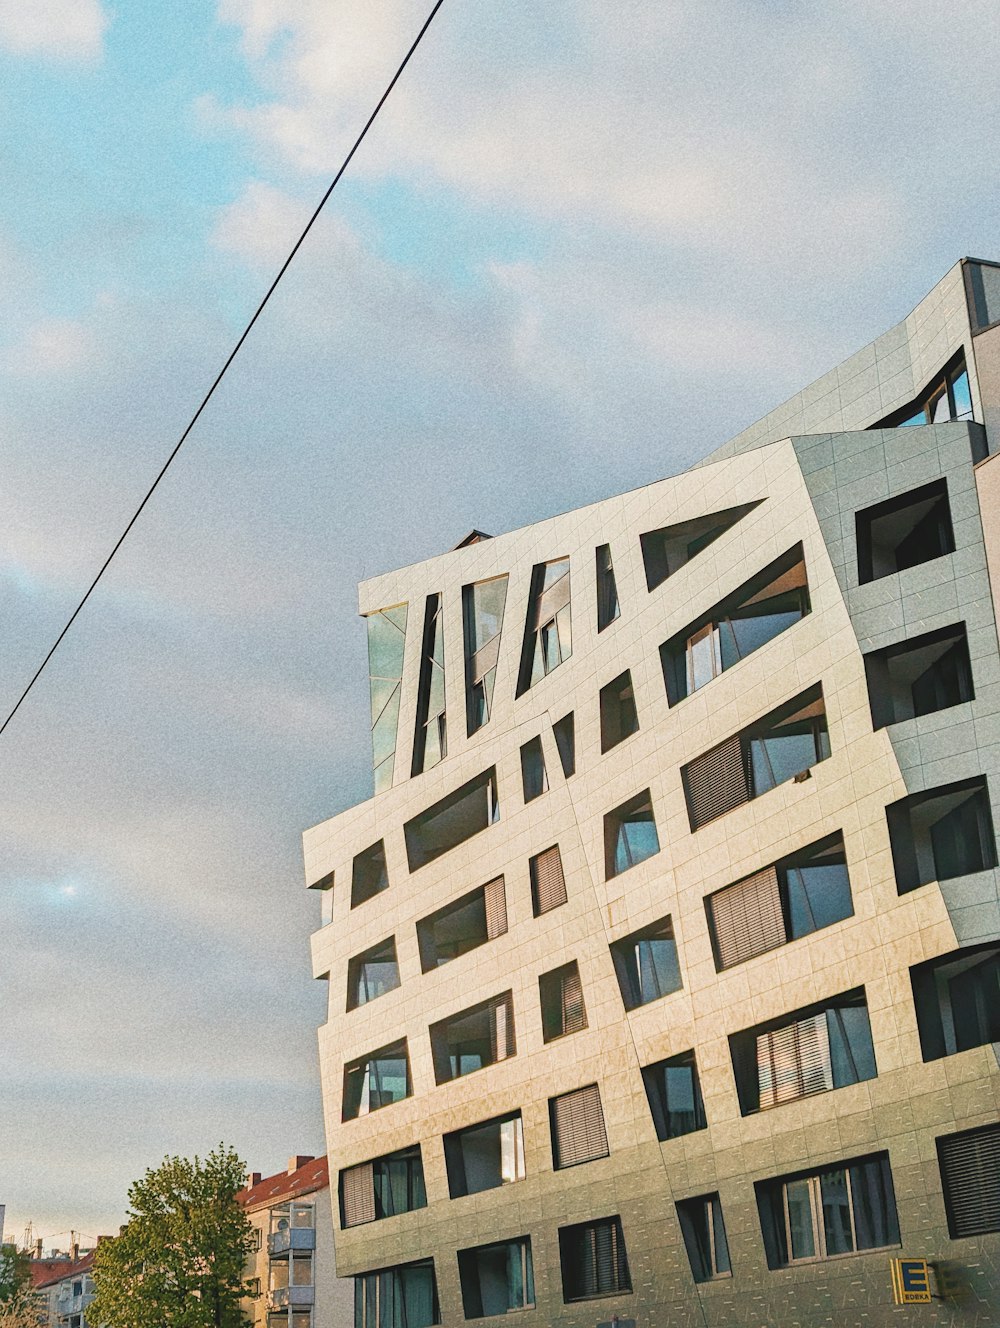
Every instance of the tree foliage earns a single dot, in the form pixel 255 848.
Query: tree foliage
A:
pixel 179 1260
pixel 15 1272
pixel 20 1309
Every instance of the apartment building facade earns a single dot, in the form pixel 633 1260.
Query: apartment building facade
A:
pixel 65 1292
pixel 664 963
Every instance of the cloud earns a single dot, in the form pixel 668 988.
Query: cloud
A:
pixel 52 346
pixel 60 29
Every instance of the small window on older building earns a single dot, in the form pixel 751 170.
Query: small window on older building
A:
pixel 482 611
pixel 462 925
pixel 561 995
pixel 452 820
pixel 957 1000
pixel 919 676
pixel 548 634
pixel 666 551
pixel 534 779
pixel 497 1279
pixel 970 1177
pixel 674 1096
pixel 577 1123
pixel 941 833
pixel 473 1039
pixel 646 964
pixel 903 531
pixel 485 1156
pixel 548 885
pixel 430 741
pixel 369 876
pixel 619 718
pixel 704 1233
pixel 372 973
pixel 594 1260
pixel 564 731
pixel 376 1080
pixel 629 835
pixel 607 591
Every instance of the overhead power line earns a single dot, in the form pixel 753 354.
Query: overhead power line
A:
pixel 232 356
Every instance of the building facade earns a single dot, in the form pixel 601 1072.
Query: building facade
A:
pixel 64 1292
pixel 664 964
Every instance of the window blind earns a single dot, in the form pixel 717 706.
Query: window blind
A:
pixel 747 919
pixel 357 1195
pixel 794 1061
pixel 548 885
pixel 715 783
pixel 577 1122
pixel 496 908
pixel 574 1015
pixel 970 1176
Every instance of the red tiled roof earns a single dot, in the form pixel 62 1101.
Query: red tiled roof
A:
pixel 311 1176
pixel 46 1272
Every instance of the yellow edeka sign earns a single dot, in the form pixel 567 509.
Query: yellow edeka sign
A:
pixel 911 1281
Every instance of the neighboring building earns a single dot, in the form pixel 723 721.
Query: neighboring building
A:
pixel 293 1262
pixel 64 1292
pixel 664 965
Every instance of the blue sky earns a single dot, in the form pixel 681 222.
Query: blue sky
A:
pixel 585 244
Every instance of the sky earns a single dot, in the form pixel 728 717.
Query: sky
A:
pixel 583 245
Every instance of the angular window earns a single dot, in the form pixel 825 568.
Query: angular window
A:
pixel 941 833
pixel 629 835
pixel 372 973
pixel 665 551
pixel 837 1210
pixel 812 1050
pixel 453 820
pixel 594 1260
pixel 561 995
pixel 548 885
pixel 325 887
pixel 482 612
pixel 646 964
pixel 957 1000
pixel 762 608
pixel 400 1297
pixel 576 1121
pixel 548 630
pixel 619 719
pixel 970 1178
pixel 497 1279
pixel 369 874
pixel 904 531
pixel 462 925
pixel 793 897
pixel 534 779
pixel 477 1037
pixel 386 639
pixel 674 1096
pixel 783 745
pixel 916 677
pixel 430 742
pixel 564 731
pixel 485 1156
pixel 376 1080
pixel 607 591
pixel 947 397
pixel 384 1187
pixel 704 1234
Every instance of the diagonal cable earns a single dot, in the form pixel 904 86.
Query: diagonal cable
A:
pixel 232 356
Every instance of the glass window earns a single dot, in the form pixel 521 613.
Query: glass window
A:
pixel 561 995
pixel 534 778
pixel 474 1039
pixel 594 1260
pixel 646 964
pixel 629 835
pixel 386 639
pixel 401 1297
pixel 667 550
pixel 548 632
pixel 482 610
pixel 564 731
pixel 376 1080
pixel 941 833
pixel 372 974
pixel 946 397
pixel 369 875
pixel 485 1156
pixel 619 718
pixel 970 1177
pixel 675 1096
pixel 607 590
pixel 430 742
pixel 957 1000
pixel 704 1233
pixel 452 820
pixel 919 676
pixel 462 925
pixel 497 1279
pixel 904 531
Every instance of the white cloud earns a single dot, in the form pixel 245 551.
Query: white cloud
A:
pixel 62 29
pixel 52 346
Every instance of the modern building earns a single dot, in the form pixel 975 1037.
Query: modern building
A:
pixel 292 1265
pixel 664 963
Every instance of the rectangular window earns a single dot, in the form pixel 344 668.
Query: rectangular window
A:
pixel 576 1121
pixel 629 835
pixel 369 874
pixel 565 735
pixel 646 964
pixel 763 607
pixel 607 591
pixel 376 1080
pixel 482 612
pixel 619 718
pixel 534 779
pixel 400 1297
pixel 674 1096
pixel 548 885
pixel 667 550
pixel 594 1260
pixel 382 1188
pixel 430 741
pixel 386 640
pixel 943 832
pixel 497 1278
pixel 452 820
pixel 919 676
pixel 561 995
pixel 781 746
pixel 485 1156
pixel 957 1000
pixel 477 1037
pixel 704 1233
pixel 904 531
pixel 793 897
pixel 970 1177
pixel 372 973
pixel 811 1050
pixel 462 925
pixel 548 635
pixel 837 1210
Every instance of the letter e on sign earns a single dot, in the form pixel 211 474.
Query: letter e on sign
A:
pixel 911 1281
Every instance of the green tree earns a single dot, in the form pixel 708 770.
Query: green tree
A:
pixel 15 1272
pixel 178 1261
